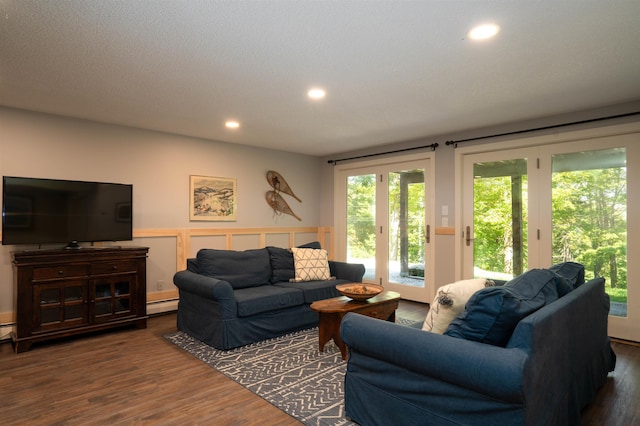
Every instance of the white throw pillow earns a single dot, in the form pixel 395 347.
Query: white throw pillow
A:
pixel 450 301
pixel 310 264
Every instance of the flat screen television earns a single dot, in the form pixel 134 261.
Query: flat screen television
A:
pixel 51 211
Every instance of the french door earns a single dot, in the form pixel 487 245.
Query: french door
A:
pixel 498 200
pixel 535 206
pixel 382 222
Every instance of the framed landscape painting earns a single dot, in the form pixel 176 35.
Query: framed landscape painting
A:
pixel 212 198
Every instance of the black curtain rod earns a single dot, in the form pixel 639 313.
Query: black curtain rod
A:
pixel 553 126
pixel 433 147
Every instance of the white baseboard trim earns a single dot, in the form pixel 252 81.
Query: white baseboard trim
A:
pixel 162 306
pixel 5 331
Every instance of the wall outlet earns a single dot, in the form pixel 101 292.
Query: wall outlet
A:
pixel 160 285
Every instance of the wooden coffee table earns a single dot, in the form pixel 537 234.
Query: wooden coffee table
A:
pixel 331 311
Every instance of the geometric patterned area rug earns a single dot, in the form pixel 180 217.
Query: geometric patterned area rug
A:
pixel 287 371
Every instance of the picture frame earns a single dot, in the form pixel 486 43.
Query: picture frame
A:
pixel 212 198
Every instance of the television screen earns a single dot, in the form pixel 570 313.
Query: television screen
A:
pixel 45 211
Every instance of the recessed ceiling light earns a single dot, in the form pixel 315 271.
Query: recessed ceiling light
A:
pixel 483 32
pixel 231 124
pixel 316 93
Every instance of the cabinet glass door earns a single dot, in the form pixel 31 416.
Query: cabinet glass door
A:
pixel 60 305
pixel 113 297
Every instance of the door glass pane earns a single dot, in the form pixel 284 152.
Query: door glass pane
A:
pixel 49 296
pixel 103 290
pixel 122 288
pixel 50 315
pixel 122 305
pixel 73 312
pixel 361 222
pixel 103 307
pixel 406 227
pixel 589 193
pixel 72 293
pixel 500 219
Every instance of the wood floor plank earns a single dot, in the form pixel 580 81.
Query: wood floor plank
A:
pixel 128 376
pixel 133 376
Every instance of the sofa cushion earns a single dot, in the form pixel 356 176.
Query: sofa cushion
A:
pixel 492 313
pixel 573 272
pixel 311 245
pixel 255 300
pixel 541 283
pixel 315 290
pixel 282 266
pixel 450 301
pixel 249 268
pixel 310 264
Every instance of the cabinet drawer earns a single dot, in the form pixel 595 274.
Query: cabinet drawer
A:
pixel 113 267
pixel 62 271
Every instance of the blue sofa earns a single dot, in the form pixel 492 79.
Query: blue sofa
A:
pixel 540 370
pixel 233 298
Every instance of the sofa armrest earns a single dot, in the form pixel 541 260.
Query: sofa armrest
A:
pixel 347 271
pixel 488 370
pixel 208 288
pixel 570 352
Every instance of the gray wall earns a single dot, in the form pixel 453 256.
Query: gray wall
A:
pixel 158 165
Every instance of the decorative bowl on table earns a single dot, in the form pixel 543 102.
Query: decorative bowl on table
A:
pixel 359 291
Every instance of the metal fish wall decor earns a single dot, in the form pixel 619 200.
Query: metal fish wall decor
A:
pixel 274 199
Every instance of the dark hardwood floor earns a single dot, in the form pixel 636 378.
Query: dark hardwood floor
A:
pixel 133 376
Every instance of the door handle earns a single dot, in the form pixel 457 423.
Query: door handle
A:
pixel 428 234
pixel 468 238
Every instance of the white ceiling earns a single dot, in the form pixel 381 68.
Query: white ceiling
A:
pixel 393 70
